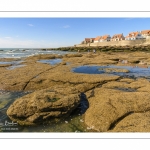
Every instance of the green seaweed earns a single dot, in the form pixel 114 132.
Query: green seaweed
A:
pixel 52 99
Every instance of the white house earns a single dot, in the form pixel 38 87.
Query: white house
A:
pixel 118 37
pixel 134 36
pixel 105 38
pixel 145 33
pixel 88 40
pixel 97 39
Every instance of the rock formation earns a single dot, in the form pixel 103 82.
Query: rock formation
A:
pixel 49 104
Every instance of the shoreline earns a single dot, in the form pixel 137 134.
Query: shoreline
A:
pixel 126 48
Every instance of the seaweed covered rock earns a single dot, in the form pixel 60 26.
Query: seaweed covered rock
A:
pixel 42 105
pixel 114 110
pixel 134 122
pixel 73 55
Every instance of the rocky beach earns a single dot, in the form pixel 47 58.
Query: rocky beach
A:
pixel 106 91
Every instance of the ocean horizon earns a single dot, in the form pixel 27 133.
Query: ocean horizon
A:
pixel 26 52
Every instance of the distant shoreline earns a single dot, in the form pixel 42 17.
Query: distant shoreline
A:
pixel 127 48
pixel 85 48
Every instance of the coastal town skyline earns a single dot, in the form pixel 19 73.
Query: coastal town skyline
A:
pixel 61 32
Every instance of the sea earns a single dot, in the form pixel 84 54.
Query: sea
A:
pixel 27 52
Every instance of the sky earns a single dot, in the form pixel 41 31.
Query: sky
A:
pixel 61 32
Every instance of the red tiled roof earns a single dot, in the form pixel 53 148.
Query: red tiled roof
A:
pixel 88 39
pixel 145 32
pixel 132 34
pixel 117 36
pixel 104 37
pixel 97 38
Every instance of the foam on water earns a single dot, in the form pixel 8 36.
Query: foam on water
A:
pixel 21 53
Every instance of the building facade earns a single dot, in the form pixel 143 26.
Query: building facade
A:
pixel 89 40
pixel 118 37
pixel 97 39
pixel 145 33
pixel 105 38
pixel 134 36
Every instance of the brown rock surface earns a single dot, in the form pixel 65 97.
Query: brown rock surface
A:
pixel 40 56
pixel 18 78
pixel 127 80
pixel 135 122
pixel 130 83
pixel 68 78
pixel 45 104
pixel 73 55
pixel 108 106
pixel 5 65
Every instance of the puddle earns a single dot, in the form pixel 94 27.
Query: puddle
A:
pixel 12 64
pixel 51 61
pixel 6 99
pixel 13 67
pixel 73 123
pixel 134 72
pixel 5 63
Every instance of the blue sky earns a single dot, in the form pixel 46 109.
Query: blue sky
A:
pixel 57 32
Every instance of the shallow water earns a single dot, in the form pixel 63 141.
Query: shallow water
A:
pixel 16 66
pixel 134 71
pixel 5 63
pixel 6 99
pixel 13 64
pixel 51 61
pixel 22 53
pixel 73 123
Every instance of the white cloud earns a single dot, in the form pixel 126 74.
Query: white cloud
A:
pixel 31 25
pixel 66 26
pixel 7 37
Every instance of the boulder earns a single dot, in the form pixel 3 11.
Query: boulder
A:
pixel 108 107
pixel 43 105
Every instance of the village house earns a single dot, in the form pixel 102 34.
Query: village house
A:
pixel 88 40
pixel 145 33
pixel 97 39
pixel 118 37
pixel 105 38
pixel 134 36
